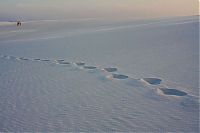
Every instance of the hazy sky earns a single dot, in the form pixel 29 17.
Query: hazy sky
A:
pixel 96 8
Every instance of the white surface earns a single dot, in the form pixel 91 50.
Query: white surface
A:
pixel 40 95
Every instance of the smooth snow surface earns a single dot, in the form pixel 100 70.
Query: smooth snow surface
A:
pixel 100 75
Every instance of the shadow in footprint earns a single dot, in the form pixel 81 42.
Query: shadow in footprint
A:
pixel 37 59
pixel 45 60
pixel 174 92
pixel 64 63
pixel 110 69
pixel 119 76
pixel 23 58
pixel 153 81
pixel 60 60
pixel 90 67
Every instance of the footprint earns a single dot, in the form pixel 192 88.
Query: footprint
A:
pixel 63 63
pixel 45 60
pixel 110 69
pixel 12 57
pixel 59 60
pixel 152 81
pixel 174 92
pixel 4 56
pixel 119 76
pixel 37 59
pixel 80 63
pixel 90 67
pixel 21 58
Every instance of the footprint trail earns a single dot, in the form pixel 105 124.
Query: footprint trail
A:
pixel 110 73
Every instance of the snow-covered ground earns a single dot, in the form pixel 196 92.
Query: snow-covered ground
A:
pixel 100 75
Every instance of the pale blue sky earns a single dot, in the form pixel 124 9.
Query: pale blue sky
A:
pixel 96 8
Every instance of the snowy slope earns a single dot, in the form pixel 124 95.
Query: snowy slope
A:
pixel 100 75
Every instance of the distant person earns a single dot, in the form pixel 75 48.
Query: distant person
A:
pixel 19 23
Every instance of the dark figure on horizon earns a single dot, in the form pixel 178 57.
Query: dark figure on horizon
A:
pixel 19 23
